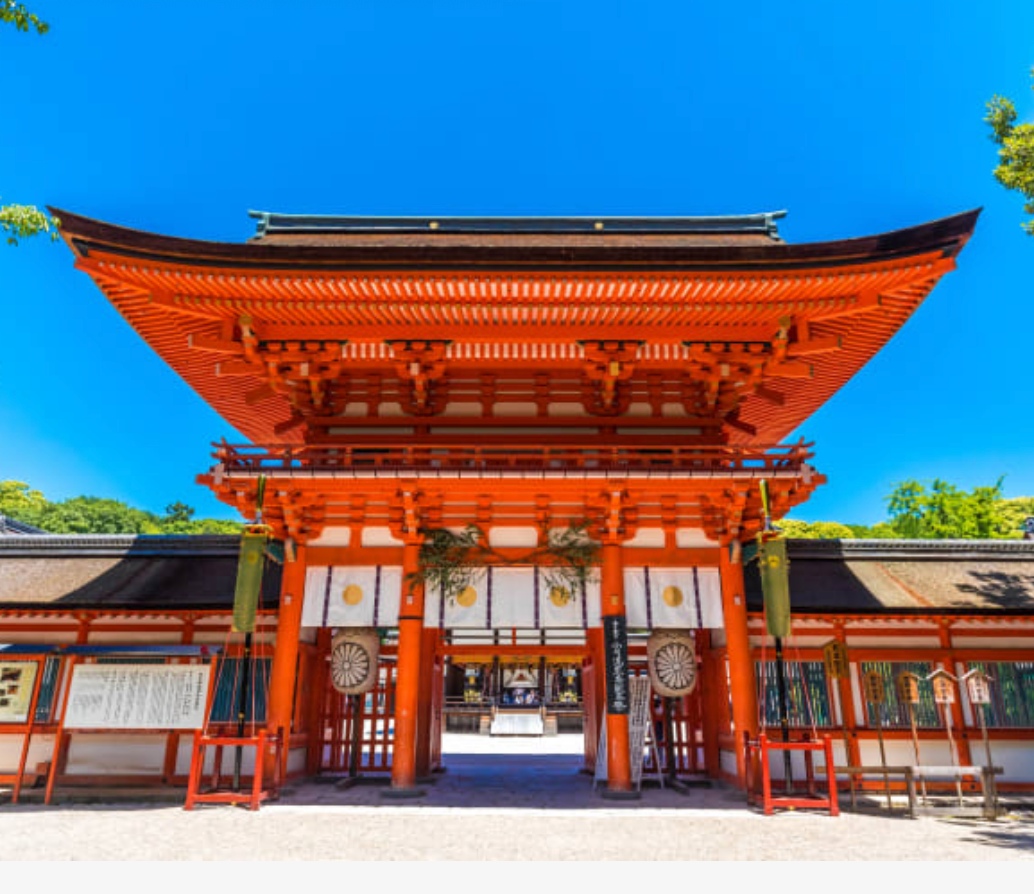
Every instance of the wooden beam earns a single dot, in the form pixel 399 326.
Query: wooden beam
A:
pixel 814 346
pixel 218 345
pixel 770 395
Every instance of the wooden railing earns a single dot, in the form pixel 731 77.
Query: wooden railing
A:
pixel 759 775
pixel 374 457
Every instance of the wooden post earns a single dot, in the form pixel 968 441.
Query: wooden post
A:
pixel 407 679
pixel 319 674
pixel 712 677
pixel 741 667
pixel 428 680
pixel 283 675
pixel 615 638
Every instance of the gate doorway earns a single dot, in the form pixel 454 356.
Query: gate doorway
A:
pixel 478 698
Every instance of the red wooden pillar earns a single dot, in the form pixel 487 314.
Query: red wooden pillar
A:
pixel 711 689
pixel 852 752
pixel 428 680
pixel 741 668
pixel 283 676
pixel 615 637
pixel 407 679
pixel 317 702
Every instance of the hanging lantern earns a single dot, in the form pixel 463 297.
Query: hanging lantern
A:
pixel 353 660
pixel 834 653
pixel 775 585
pixel 908 688
pixel 943 688
pixel 251 564
pixel 978 688
pixel 872 683
pixel 672 662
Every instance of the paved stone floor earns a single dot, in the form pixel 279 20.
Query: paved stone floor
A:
pixel 501 802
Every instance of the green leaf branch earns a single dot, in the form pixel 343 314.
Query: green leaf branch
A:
pixel 451 561
pixel 16 14
pixel 1015 170
pixel 22 221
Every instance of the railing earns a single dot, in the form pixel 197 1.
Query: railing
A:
pixel 371 457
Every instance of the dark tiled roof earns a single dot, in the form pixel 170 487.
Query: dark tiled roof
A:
pixel 10 525
pixel 124 572
pixel 350 244
pixel 487 232
pixel 906 577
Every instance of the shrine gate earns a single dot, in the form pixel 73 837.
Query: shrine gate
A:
pixel 528 393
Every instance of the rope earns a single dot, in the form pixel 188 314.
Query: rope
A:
pixel 762 722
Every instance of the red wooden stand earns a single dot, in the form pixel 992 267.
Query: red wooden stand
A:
pixel 757 759
pixel 216 792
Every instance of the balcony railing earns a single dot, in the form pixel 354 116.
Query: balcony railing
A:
pixel 447 458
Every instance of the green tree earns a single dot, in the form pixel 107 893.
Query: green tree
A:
pixel 943 511
pixel 95 515
pixel 20 221
pixel 821 530
pixel 1015 170
pixel 1014 512
pixel 20 502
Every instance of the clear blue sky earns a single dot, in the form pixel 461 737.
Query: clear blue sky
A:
pixel 178 119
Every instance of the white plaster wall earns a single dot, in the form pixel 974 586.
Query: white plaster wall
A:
pixel 727 761
pixel 101 753
pixel 1016 759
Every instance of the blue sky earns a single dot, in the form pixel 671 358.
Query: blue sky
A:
pixel 855 118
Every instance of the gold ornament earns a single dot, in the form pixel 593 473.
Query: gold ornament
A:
pixel 560 596
pixel 672 596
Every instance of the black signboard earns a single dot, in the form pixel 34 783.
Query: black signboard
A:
pixel 615 640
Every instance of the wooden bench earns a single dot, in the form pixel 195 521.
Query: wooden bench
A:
pixel 919 806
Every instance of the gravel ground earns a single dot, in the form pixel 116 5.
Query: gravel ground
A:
pixel 520 805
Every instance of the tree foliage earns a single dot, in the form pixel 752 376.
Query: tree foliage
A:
pixel 21 221
pixel 1015 170
pixel 942 511
pixel 96 515
pixel 935 511
pixel 13 13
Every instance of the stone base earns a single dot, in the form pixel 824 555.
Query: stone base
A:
pixel 402 793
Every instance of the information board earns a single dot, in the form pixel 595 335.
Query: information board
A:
pixel 17 679
pixel 615 644
pixel 638 721
pixel 137 696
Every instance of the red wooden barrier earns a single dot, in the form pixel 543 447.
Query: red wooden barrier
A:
pixel 758 764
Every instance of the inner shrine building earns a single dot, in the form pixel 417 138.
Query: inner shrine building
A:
pixel 599 398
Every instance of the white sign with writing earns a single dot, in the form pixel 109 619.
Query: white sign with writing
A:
pixel 137 696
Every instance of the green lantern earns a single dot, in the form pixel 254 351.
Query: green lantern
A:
pixel 250 566
pixel 775 585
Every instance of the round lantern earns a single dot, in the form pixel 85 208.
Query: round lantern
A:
pixel 672 662
pixel 353 660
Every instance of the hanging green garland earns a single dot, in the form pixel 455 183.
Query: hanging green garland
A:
pixel 451 561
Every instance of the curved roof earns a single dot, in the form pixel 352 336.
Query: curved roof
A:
pixel 515 293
